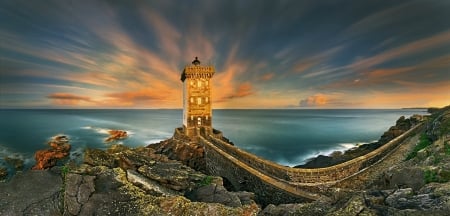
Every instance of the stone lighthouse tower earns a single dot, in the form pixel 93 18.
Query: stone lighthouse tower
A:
pixel 197 110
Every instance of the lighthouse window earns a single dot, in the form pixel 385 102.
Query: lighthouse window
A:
pixel 199 100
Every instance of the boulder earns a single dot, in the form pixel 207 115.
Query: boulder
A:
pixel 17 163
pixel 409 177
pixel 173 175
pixel 97 157
pixel 214 194
pixel 189 153
pixel 47 158
pixel 115 135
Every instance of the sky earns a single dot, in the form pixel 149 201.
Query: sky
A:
pixel 267 54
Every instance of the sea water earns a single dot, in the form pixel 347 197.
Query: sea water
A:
pixel 288 137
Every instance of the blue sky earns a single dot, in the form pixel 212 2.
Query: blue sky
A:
pixel 267 54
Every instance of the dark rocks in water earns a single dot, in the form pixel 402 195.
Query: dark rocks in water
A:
pixel 3 173
pixel 17 163
pixel 115 135
pixel 47 158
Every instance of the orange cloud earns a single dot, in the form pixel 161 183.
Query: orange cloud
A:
pixel 317 100
pixel 134 97
pixel 267 77
pixel 68 99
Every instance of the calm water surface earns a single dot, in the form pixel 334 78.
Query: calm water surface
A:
pixel 288 137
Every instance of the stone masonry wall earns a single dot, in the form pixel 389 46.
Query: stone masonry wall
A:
pixel 327 175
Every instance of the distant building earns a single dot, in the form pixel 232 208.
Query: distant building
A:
pixel 197 108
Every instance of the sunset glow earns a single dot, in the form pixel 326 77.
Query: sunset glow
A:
pixel 277 54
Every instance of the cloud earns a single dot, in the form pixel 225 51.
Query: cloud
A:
pixel 303 64
pixel 68 99
pixel 168 36
pixel 267 76
pixel 404 50
pixel 317 100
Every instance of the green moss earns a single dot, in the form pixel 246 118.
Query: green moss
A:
pixel 424 141
pixel 447 149
pixel 430 176
pixel 206 181
pixel 434 176
pixel 444 176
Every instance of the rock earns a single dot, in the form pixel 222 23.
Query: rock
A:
pixel 78 190
pixel 245 197
pixel 399 199
pixel 355 206
pixel 173 175
pixel 189 153
pixel 48 158
pixel 3 173
pixel 97 157
pixel 17 163
pixel 405 177
pixel 148 185
pixel 314 208
pixel 117 148
pixel 34 192
pixel 214 194
pixel 115 135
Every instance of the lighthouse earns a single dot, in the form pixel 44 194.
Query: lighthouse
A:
pixel 197 103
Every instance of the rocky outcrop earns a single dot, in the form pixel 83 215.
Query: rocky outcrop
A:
pixel 293 209
pixel 17 163
pixel 97 157
pixel 78 190
pixel 186 151
pixel 115 135
pixel 47 158
pixel 216 193
pixel 3 173
pixel 33 192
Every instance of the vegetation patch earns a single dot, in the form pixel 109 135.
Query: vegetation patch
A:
pixel 424 141
pixel 206 181
pixel 447 149
pixel 430 176
pixel 434 176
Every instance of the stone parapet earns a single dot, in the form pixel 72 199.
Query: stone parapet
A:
pixel 316 176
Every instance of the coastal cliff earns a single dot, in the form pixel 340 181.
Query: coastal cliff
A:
pixel 160 179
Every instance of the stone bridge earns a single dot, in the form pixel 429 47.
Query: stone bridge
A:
pixel 274 183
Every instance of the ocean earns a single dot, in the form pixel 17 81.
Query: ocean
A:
pixel 288 137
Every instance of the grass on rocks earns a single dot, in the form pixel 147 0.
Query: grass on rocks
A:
pixel 424 141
